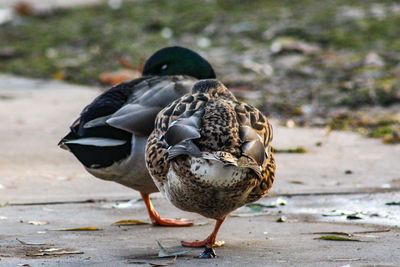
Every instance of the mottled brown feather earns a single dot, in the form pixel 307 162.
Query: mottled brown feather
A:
pixel 232 133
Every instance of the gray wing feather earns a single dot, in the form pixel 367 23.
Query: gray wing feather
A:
pixel 135 118
pixel 101 121
pixel 151 96
pixel 254 150
pixel 186 147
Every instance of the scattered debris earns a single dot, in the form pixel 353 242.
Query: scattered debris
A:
pixel 208 253
pixel 258 207
pixel 38 222
pixel 348 172
pixel 200 223
pixel 334 213
pixel 337 238
pixel 30 244
pixel 154 263
pixel 281 219
pixel 296 150
pixel 130 222
pixel 393 203
pixel 356 233
pixel 53 252
pixel 353 217
pixel 318 144
pixel 88 228
pixel 163 253
pixel 164 263
pixel 296 182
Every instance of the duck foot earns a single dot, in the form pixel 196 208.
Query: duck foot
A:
pixel 208 253
pixel 210 241
pixel 158 221
pixel 156 218
pixel 204 243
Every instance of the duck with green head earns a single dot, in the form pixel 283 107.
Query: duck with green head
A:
pixel 109 137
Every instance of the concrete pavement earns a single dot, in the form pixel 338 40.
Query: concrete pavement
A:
pixel 41 183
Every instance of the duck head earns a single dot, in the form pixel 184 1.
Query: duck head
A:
pixel 178 60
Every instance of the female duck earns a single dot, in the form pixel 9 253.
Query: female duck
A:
pixel 110 135
pixel 211 154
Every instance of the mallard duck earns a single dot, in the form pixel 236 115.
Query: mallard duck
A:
pixel 110 135
pixel 211 154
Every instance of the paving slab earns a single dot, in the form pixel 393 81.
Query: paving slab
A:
pixel 346 173
pixel 251 241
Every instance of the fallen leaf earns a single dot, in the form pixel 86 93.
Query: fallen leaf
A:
pixel 337 238
pixel 54 252
pixel 38 222
pixel 163 253
pixel 88 228
pixel 332 233
pixel 130 222
pixel 29 244
pixel 372 231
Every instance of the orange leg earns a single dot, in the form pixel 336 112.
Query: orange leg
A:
pixel 156 218
pixel 210 241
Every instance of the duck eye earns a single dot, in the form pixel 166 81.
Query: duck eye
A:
pixel 164 67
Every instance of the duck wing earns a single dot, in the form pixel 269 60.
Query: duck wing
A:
pixel 126 109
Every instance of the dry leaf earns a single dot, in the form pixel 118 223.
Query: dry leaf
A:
pixel 87 228
pixel 29 244
pixel 54 252
pixel 337 238
pixel 130 222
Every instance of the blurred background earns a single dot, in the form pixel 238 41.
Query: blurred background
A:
pixel 325 63
pixel 314 67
